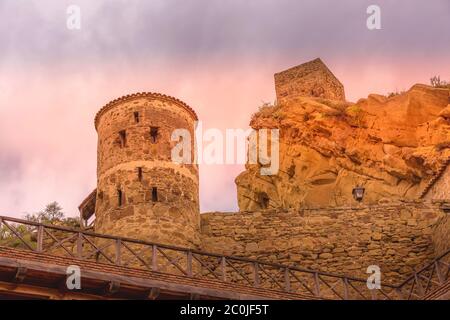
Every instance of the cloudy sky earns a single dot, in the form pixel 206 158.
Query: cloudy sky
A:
pixel 218 56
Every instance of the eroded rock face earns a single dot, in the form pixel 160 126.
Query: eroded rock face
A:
pixel 390 146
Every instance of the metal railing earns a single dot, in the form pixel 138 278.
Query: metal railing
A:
pixel 427 279
pixel 125 252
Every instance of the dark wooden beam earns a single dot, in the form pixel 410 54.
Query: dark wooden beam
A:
pixel 24 290
pixel 20 275
pixel 194 296
pixel 153 293
pixel 165 283
pixel 62 285
pixel 111 288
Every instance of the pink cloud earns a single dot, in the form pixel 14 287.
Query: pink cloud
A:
pixel 47 112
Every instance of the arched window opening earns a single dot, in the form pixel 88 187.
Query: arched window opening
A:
pixel 140 175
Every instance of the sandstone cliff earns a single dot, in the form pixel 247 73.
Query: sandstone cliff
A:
pixel 390 146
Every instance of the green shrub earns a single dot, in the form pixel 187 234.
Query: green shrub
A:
pixel 265 109
pixel 353 110
pixel 396 93
pixel 52 214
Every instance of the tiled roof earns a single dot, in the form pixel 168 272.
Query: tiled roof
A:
pixel 128 97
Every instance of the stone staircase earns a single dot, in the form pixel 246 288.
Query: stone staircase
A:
pixel 435 178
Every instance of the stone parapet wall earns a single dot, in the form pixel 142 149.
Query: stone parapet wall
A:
pixel 396 237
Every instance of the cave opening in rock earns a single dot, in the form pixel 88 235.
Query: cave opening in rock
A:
pixel 263 200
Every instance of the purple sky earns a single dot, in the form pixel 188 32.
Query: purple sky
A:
pixel 218 56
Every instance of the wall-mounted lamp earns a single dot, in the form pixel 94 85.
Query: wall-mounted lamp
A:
pixel 358 193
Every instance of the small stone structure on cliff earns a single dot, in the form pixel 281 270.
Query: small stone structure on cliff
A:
pixel 311 79
pixel 394 147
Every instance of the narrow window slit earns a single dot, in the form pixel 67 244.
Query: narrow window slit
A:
pixel 154 194
pixel 123 138
pixel 153 134
pixel 139 173
pixel 136 117
pixel 119 197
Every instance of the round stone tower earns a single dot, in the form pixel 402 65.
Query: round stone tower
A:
pixel 141 192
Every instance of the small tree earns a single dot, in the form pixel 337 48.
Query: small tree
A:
pixel 51 214
pixel 395 93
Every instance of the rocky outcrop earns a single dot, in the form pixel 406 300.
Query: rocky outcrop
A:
pixel 391 146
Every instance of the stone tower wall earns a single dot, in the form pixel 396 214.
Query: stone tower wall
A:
pixel 312 79
pixel 135 164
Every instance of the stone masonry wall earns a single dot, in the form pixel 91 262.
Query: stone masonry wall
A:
pixel 311 79
pixel 397 237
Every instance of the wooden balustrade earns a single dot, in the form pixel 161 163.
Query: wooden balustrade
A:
pixel 132 253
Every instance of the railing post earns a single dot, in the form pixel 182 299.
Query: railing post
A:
pixel 118 251
pixel 316 284
pixel 154 257
pixel 256 274
pixel 40 239
pixel 419 285
pixel 80 245
pixel 345 280
pixel 287 281
pixel 223 265
pixel 189 263
pixel 373 295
